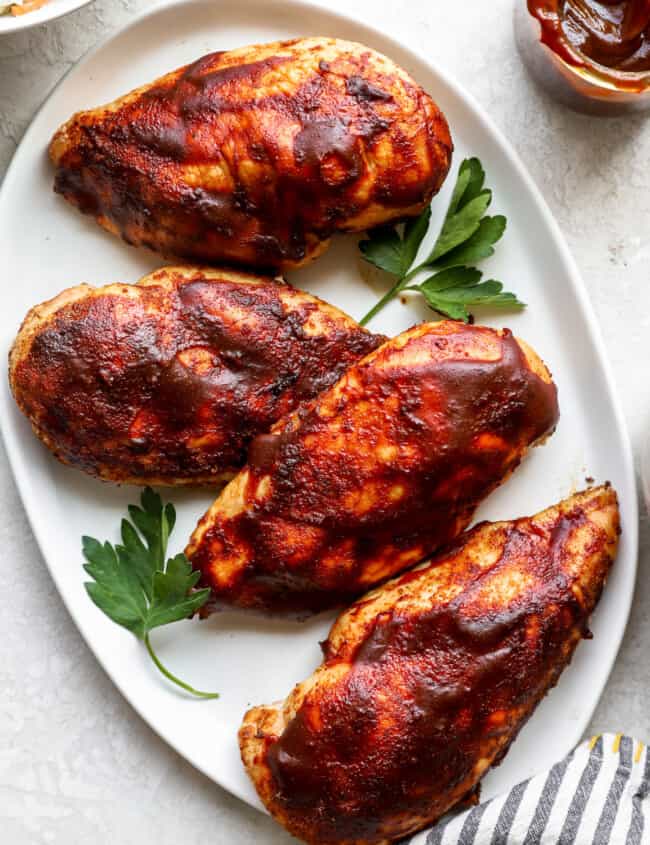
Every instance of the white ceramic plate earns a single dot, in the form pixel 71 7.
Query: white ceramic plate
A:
pixel 46 246
pixel 49 12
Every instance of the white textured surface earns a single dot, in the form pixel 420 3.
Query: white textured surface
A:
pixel 76 764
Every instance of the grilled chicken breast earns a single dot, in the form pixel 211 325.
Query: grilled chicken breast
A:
pixel 167 381
pixel 257 155
pixel 376 472
pixel 426 681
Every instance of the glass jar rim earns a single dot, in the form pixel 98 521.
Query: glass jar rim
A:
pixel 602 75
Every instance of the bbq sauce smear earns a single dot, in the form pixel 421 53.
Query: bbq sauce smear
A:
pixel 459 420
pixel 168 383
pixel 611 34
pixel 301 158
pixel 431 690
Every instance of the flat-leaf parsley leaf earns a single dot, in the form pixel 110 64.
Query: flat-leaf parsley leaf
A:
pixel 134 584
pixel 467 236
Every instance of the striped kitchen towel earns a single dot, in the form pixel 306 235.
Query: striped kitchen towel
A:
pixel 598 795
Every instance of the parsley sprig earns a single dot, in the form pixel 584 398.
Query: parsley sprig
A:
pixel 467 236
pixel 135 586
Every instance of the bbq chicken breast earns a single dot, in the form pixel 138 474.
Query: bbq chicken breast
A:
pixel 257 155
pixel 167 381
pixel 376 472
pixel 426 681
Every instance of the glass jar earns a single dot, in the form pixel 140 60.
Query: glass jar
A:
pixel 573 78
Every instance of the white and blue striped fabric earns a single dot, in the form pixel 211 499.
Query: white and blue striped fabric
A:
pixel 598 795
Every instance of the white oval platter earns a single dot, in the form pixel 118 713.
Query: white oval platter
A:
pixel 47 246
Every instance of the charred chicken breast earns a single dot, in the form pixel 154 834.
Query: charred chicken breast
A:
pixel 376 472
pixel 257 155
pixel 426 681
pixel 167 381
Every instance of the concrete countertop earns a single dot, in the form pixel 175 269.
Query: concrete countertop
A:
pixel 77 766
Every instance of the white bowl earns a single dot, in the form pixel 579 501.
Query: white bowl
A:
pixel 48 12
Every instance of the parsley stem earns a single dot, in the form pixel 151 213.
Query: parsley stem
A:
pixel 173 678
pixel 399 286
pixel 392 293
pixel 413 272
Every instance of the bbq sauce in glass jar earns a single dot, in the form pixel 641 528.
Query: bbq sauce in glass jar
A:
pixel 592 55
